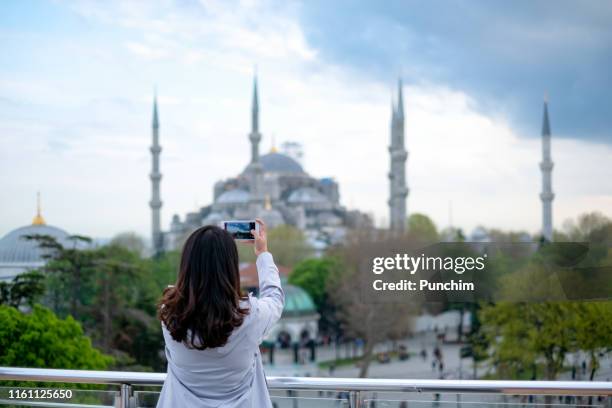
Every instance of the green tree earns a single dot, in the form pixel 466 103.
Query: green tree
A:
pixel 122 309
pixel 535 323
pixel 520 335
pixel 313 275
pixel 583 227
pixel 422 227
pixel 164 269
pixel 594 332
pixel 68 272
pixel 41 339
pixel 497 235
pixel 112 293
pixel 24 290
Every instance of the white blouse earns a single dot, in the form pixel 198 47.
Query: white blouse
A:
pixel 231 376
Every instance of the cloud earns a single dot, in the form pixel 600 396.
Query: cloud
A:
pixel 145 51
pixel 505 54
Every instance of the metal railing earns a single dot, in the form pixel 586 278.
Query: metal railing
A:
pixel 354 386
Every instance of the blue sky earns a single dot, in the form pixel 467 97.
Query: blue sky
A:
pixel 77 78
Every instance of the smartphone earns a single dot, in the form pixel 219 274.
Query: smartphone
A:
pixel 241 229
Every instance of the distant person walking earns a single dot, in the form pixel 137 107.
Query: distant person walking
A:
pixel 213 332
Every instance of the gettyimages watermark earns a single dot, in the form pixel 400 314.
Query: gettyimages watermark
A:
pixel 483 272
pixel 413 264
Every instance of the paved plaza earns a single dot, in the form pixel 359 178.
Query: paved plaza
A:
pixel 414 367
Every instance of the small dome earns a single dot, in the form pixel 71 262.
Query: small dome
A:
pixel 306 195
pixel 297 301
pixel 15 248
pixel 279 163
pixel 237 196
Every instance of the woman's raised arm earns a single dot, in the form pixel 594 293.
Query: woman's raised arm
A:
pixel 269 306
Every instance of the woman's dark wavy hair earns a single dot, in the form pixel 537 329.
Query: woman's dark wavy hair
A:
pixel 203 308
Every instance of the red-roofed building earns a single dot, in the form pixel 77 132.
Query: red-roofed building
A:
pixel 249 279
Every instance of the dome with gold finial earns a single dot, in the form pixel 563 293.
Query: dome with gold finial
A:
pixel 20 253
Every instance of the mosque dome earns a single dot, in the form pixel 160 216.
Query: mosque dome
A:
pixel 15 248
pixel 275 162
pixel 236 196
pixel 306 195
pixel 297 301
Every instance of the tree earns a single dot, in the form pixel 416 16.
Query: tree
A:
pixel 112 293
pixel 164 269
pixel 520 335
pixel 372 320
pixel 535 322
pixel 24 290
pixel 422 227
pixel 68 272
pixel 41 339
pixel 130 241
pixel 585 225
pixel 498 236
pixel 313 275
pixel 594 331
pixel 122 308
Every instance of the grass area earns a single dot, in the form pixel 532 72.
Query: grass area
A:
pixel 343 362
pixel 524 375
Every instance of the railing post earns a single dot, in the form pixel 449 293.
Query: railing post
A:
pixel 126 398
pixel 355 399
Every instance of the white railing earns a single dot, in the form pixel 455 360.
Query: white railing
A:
pixel 354 386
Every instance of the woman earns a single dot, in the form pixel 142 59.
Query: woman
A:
pixel 212 332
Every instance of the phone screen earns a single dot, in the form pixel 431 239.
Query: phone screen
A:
pixel 240 229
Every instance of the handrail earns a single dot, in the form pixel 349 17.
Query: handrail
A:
pixel 327 384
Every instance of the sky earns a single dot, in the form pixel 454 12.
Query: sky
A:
pixel 77 80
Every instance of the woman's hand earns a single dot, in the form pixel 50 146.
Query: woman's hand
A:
pixel 260 245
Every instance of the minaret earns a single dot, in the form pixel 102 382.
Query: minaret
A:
pixel 255 136
pixel 155 203
pixel 255 167
pixel 397 174
pixel 546 166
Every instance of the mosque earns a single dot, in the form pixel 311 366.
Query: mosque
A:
pixel 272 186
pixel 275 187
